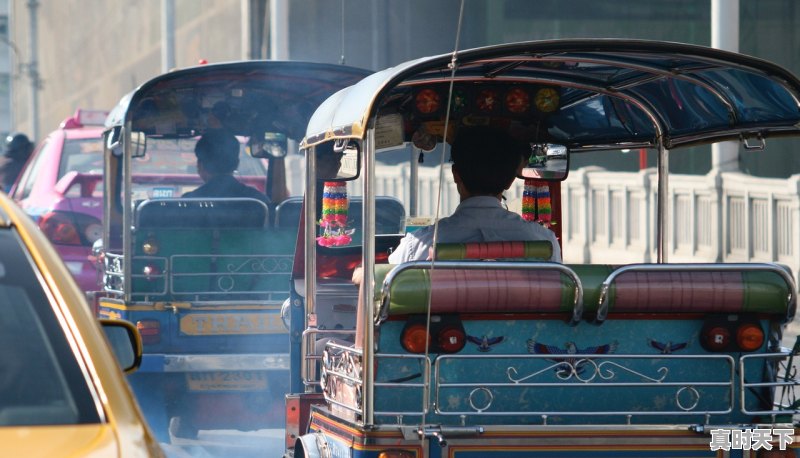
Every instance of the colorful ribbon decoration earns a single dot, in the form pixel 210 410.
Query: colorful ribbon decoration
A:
pixel 334 215
pixel 536 203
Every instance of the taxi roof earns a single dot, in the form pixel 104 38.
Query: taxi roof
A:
pixel 614 93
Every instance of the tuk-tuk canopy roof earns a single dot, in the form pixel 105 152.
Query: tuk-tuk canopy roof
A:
pixel 586 94
pixel 248 97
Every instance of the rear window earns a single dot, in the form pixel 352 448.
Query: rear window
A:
pixel 41 381
pixel 169 168
pixel 82 155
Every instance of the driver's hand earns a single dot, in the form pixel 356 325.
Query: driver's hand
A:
pixel 358 275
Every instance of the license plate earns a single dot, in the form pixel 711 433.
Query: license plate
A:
pixel 227 381
pixel 163 192
pixel 217 324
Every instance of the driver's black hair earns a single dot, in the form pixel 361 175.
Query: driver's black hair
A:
pixel 218 150
pixel 487 158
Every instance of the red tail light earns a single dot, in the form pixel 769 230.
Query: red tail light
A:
pixel 445 335
pixel 732 333
pixel 717 338
pixel 749 337
pixel 66 228
pixel 150 330
pixel 451 339
pixel 152 272
pixel 60 229
pixel 415 337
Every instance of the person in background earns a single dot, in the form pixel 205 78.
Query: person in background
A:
pixel 486 161
pixel 18 150
pixel 217 154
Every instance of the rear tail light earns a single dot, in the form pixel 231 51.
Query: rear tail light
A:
pixel 150 247
pixel 151 272
pixel 67 228
pixel 60 229
pixel 150 330
pixel 415 337
pixel 451 339
pixel 718 338
pixel 445 334
pixel 732 333
pixel 749 337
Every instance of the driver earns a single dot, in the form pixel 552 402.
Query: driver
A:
pixel 485 163
pixel 217 154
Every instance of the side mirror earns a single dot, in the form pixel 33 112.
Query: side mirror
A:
pixel 270 145
pixel 339 160
pixel 125 342
pixel 548 162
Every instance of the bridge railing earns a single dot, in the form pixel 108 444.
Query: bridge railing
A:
pixel 719 217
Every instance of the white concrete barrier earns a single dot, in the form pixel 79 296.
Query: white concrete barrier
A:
pixel 609 217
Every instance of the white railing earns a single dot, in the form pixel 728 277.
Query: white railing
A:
pixel 725 217
pixel 609 217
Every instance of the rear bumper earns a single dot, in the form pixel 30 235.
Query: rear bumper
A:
pixel 202 363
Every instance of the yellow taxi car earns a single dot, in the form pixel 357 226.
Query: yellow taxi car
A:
pixel 62 390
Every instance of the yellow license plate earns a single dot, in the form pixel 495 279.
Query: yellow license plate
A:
pixel 219 324
pixel 227 381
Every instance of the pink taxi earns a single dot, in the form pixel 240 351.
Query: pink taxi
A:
pixel 59 189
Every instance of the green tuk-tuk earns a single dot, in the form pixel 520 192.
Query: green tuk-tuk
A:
pixel 487 348
pixel 203 270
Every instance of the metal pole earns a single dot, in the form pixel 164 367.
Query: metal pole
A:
pixel 167 35
pixel 279 30
pixel 413 182
pixel 725 35
pixel 33 70
pixel 12 65
pixel 368 279
pixel 247 30
pixel 310 241
pixel 662 210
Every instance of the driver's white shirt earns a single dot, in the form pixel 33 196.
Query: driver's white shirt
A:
pixel 476 219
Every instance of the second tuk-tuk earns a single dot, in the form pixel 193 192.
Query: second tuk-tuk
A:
pixel 203 277
pixel 488 350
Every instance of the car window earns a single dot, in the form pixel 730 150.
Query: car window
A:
pixel 82 155
pixel 41 380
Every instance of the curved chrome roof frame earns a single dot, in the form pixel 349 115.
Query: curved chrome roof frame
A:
pixel 342 117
